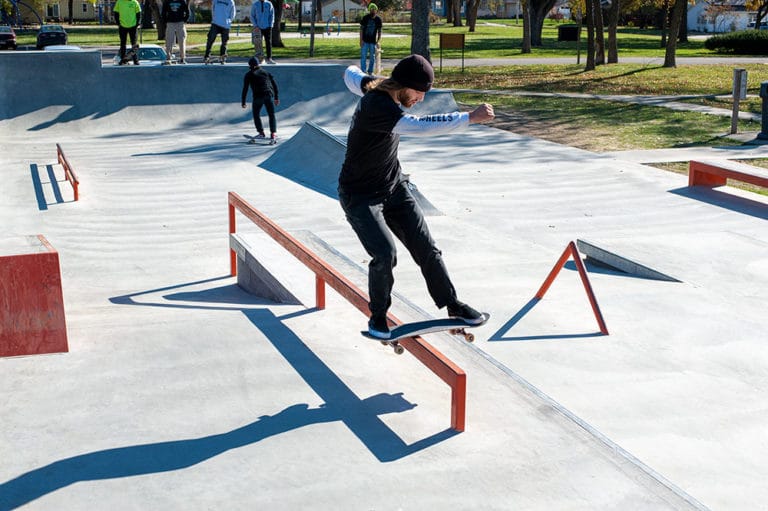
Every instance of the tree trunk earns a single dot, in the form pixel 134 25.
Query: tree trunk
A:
pixel 526 27
pixel 456 12
pixel 678 10
pixel 420 29
pixel 472 6
pixel 589 17
pixel 597 14
pixel 613 22
pixel 277 39
pixel 683 36
pixel 538 10
pixel 664 23
pixel 71 7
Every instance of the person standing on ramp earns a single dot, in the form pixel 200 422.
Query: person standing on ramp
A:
pixel 374 192
pixel 265 93
pixel 223 12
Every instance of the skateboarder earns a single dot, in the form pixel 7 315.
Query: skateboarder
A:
pixel 265 93
pixel 374 193
pixel 222 16
pixel 370 35
pixel 127 15
pixel 263 18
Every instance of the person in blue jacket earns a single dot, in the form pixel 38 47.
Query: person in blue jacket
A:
pixel 223 12
pixel 263 18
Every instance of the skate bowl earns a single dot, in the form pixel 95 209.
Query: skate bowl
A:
pixel 164 97
pixel 158 96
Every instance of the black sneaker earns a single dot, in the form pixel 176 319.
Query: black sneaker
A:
pixel 378 327
pixel 465 313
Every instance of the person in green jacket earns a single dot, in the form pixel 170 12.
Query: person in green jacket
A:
pixel 127 15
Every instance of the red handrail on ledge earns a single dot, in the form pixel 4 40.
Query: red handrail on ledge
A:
pixel 427 354
pixel 69 172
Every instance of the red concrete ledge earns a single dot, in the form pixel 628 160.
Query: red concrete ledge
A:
pixel 31 303
pixel 716 173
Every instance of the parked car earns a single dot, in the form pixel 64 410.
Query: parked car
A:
pixel 7 37
pixel 62 47
pixel 149 55
pixel 51 34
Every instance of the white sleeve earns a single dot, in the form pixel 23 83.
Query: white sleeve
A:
pixel 353 79
pixel 434 124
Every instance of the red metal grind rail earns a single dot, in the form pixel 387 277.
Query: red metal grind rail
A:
pixel 69 172
pixel 446 370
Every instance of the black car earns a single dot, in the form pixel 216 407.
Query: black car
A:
pixel 7 37
pixel 51 34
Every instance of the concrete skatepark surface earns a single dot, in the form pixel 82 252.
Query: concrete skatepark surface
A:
pixel 181 391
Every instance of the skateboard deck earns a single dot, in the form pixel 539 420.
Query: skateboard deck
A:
pixel 258 48
pixel 453 326
pixel 260 141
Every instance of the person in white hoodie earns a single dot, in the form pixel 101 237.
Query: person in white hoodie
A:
pixel 223 12
pixel 263 18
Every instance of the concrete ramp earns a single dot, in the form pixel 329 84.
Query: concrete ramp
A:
pixel 155 97
pixel 313 157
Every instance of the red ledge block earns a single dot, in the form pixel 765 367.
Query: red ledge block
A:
pixel 31 303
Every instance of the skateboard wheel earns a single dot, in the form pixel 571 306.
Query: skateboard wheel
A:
pixel 385 343
pixel 398 349
pixel 469 337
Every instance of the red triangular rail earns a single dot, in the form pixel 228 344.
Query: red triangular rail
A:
pixel 572 251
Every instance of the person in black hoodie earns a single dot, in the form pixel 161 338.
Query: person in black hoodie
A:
pixel 265 93
pixel 175 13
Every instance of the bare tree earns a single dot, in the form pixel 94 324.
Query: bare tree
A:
pixel 420 28
pixel 454 13
pixel 472 7
pixel 613 22
pixel 526 26
pixel 538 10
pixel 597 14
pixel 678 10
pixel 589 8
pixel 277 39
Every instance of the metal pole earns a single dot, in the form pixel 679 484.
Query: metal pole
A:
pixel 739 93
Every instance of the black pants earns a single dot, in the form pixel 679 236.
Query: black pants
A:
pixel 373 220
pixel 212 33
pixel 266 33
pixel 265 101
pixel 124 34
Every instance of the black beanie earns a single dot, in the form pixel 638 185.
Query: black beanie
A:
pixel 414 72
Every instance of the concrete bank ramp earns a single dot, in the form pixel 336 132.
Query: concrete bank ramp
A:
pixel 313 157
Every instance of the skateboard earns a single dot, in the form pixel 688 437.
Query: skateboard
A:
pixel 130 54
pixel 262 141
pixel 258 48
pixel 453 326
pixel 222 59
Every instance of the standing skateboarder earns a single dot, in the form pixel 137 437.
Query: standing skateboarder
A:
pixel 127 15
pixel 374 192
pixel 265 93
pixel 223 12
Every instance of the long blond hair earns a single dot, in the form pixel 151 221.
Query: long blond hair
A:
pixel 383 85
